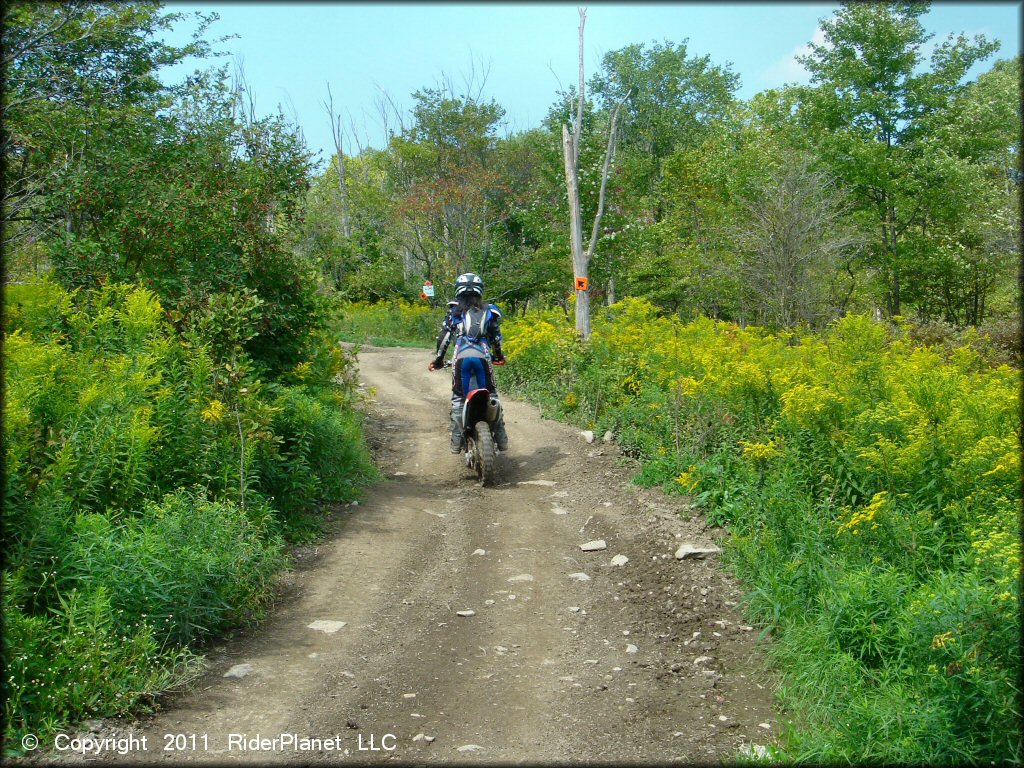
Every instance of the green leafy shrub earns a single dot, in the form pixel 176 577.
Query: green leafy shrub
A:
pixel 318 455
pixel 137 463
pixel 186 565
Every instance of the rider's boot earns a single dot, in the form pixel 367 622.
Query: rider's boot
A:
pixel 500 435
pixel 457 428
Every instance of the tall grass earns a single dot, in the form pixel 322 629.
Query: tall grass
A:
pixel 388 324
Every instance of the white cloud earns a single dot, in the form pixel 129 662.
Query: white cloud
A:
pixel 788 69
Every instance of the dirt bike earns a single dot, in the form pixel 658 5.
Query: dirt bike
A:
pixel 479 412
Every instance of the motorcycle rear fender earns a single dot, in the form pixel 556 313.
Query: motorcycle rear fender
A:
pixel 476 408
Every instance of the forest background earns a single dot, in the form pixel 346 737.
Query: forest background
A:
pixel 819 285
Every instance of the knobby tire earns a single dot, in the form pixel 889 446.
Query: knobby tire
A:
pixel 485 455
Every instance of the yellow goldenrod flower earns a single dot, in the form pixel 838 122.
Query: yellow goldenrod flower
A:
pixel 941 641
pixel 214 412
pixel 866 515
pixel 760 451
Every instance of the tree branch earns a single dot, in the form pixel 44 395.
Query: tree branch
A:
pixel 608 154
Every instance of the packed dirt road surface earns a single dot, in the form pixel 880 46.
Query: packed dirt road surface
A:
pixel 441 621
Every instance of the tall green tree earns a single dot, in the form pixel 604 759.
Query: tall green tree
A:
pixel 71 71
pixel 673 99
pixel 526 258
pixel 872 104
pixel 116 177
pixel 975 143
pixel 441 180
pixel 671 102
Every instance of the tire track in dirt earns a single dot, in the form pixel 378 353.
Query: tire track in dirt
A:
pixel 647 662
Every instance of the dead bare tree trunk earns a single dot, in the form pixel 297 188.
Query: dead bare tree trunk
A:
pixel 571 154
pixel 579 262
pixel 336 132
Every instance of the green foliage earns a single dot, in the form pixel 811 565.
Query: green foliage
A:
pixel 165 200
pixel 884 122
pixel 318 453
pixel 186 565
pixel 871 489
pixel 675 99
pixel 79 660
pixel 76 75
pixel 713 206
pixel 393 323
pixel 138 468
pixel 172 187
pixel 175 372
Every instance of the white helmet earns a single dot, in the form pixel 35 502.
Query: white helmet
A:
pixel 469 283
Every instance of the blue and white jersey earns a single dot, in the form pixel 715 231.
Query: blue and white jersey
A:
pixel 477 331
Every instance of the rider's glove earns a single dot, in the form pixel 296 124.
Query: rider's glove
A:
pixel 436 363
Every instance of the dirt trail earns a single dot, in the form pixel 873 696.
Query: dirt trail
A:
pixel 646 662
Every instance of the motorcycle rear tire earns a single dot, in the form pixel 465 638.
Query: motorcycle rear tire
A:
pixel 485 457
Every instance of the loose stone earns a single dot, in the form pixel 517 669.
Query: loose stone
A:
pixel 239 671
pixel 693 551
pixel 328 627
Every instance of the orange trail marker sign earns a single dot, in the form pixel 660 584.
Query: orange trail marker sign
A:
pixel 582 283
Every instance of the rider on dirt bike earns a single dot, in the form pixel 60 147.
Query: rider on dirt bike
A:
pixel 475 328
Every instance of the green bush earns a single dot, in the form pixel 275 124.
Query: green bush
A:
pixel 186 565
pixel 139 462
pixel 318 455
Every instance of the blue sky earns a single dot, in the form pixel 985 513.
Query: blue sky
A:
pixel 290 51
